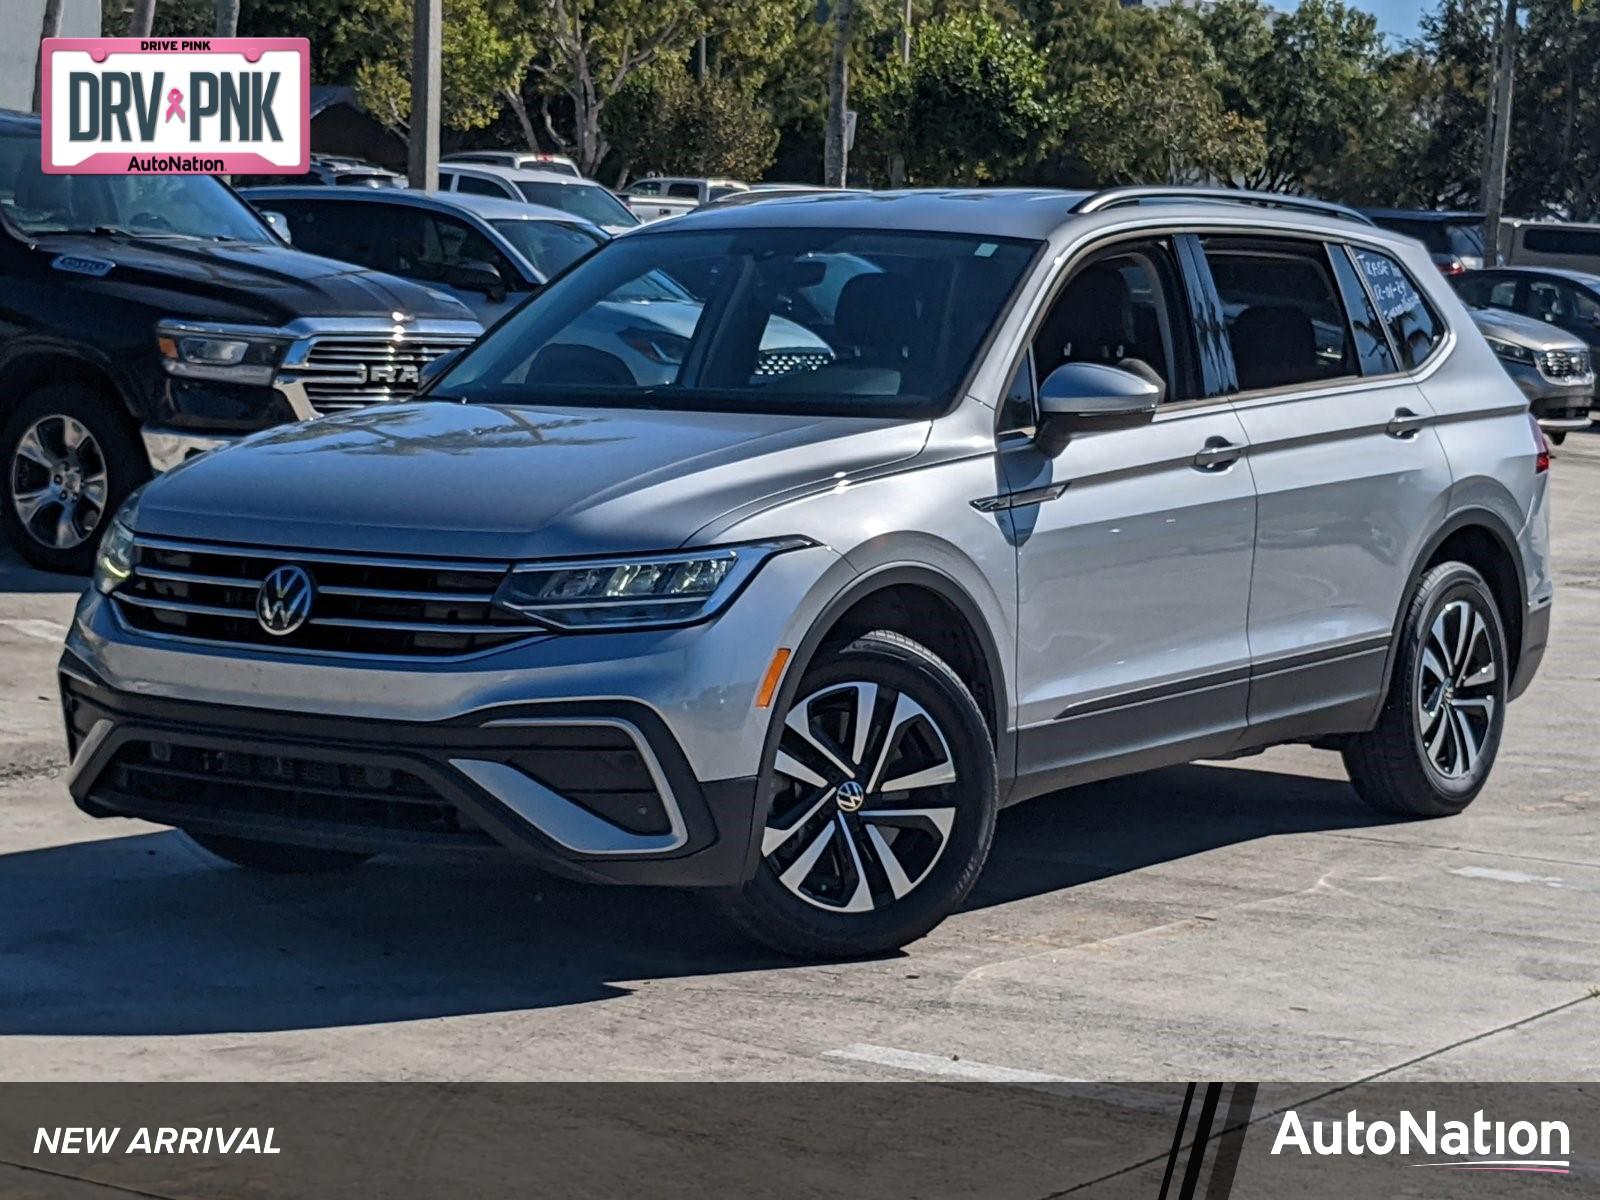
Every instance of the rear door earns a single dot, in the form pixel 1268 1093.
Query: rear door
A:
pixel 1349 474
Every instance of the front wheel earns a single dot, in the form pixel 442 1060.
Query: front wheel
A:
pixel 884 797
pixel 1436 739
pixel 68 459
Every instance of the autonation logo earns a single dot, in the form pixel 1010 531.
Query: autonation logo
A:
pixel 1476 1145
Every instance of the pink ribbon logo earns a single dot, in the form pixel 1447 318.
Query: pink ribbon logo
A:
pixel 175 106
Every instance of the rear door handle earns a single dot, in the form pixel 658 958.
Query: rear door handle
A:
pixel 1217 453
pixel 1404 424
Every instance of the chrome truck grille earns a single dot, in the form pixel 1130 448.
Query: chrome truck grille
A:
pixel 344 372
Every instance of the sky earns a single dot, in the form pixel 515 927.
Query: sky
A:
pixel 1397 18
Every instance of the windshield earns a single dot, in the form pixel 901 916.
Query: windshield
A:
pixel 155 206
pixel 581 200
pixel 550 246
pixel 827 321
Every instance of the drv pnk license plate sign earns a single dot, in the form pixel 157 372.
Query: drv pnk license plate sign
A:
pixel 176 106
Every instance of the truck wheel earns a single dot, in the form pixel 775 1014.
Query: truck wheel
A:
pixel 68 460
pixel 276 858
pixel 1433 746
pixel 884 798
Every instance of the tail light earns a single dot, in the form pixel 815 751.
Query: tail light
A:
pixel 1453 268
pixel 1541 462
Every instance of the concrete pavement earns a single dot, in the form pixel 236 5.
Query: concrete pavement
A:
pixel 1241 920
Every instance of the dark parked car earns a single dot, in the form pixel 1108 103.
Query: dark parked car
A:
pixel 1454 239
pixel 144 318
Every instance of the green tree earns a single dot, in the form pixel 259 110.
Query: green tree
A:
pixel 968 108
pixel 480 62
pixel 1314 78
pixel 663 121
pixel 1143 100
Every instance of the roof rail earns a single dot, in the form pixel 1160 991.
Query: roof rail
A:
pixel 1119 197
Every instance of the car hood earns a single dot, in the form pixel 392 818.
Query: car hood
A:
pixel 277 282
pixel 472 480
pixel 1524 331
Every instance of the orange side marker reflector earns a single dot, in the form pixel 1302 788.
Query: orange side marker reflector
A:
pixel 769 683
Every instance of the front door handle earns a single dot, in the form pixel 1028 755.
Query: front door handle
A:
pixel 1404 424
pixel 1217 453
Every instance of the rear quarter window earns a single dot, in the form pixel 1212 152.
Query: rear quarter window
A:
pixel 1413 324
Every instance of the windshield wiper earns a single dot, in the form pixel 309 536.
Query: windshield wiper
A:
pixel 120 231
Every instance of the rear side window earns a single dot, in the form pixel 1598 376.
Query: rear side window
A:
pixel 1414 326
pixel 1286 324
pixel 1562 241
pixel 474 186
pixel 1372 344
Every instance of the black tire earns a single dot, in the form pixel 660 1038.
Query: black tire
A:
pixel 1435 742
pixel 277 858
pixel 1556 437
pixel 942 839
pixel 111 457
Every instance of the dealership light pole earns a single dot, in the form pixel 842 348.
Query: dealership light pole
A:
pixel 48 28
pixel 422 165
pixel 836 146
pixel 1499 141
pixel 144 18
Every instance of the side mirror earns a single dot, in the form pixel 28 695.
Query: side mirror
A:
pixel 279 223
pixel 434 368
pixel 477 277
pixel 1089 396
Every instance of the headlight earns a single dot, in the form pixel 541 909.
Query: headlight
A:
pixel 225 354
pixel 648 590
pixel 1510 351
pixel 115 561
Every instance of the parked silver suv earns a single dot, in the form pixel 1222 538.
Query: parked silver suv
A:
pixel 1051 487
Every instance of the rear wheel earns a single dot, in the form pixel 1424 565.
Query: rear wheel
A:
pixel 68 460
pixel 884 797
pixel 1433 747
pixel 276 858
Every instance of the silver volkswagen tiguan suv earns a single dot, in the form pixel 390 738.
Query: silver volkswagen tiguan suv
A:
pixel 933 502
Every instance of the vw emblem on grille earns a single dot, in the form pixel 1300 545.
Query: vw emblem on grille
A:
pixel 850 796
pixel 284 601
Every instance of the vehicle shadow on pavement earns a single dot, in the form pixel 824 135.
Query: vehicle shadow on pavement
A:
pixel 18 576
pixel 1103 829
pixel 147 934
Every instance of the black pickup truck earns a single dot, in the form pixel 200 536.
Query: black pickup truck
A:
pixel 147 318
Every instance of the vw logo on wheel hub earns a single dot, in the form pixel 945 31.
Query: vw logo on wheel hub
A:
pixel 850 796
pixel 284 601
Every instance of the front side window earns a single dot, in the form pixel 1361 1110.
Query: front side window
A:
pixel 159 207
pixel 1414 326
pixel 1124 309
pixel 1286 323
pixel 734 320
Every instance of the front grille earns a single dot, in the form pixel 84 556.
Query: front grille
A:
pixel 207 784
pixel 340 373
pixel 1563 364
pixel 361 605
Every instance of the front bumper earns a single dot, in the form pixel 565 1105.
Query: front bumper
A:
pixel 598 791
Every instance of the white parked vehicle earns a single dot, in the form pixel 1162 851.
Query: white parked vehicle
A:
pixel 522 160
pixel 672 196
pixel 580 197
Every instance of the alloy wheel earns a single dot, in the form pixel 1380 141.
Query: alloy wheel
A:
pixel 865 798
pixel 59 482
pixel 1456 689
